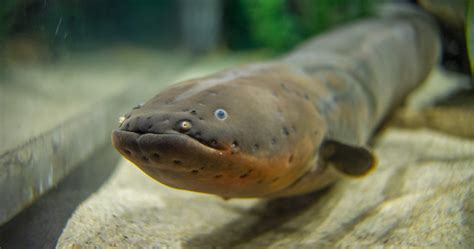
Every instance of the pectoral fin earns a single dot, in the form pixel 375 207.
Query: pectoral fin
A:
pixel 348 159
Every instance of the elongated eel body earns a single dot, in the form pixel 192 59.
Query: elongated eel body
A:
pixel 283 127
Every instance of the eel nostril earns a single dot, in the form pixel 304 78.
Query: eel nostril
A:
pixel 255 147
pixel 128 152
pixel 176 161
pixel 156 156
pixel 235 145
pixel 139 124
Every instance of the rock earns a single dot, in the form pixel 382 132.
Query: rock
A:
pixel 422 195
pixel 48 127
pixel 452 19
pixel 450 12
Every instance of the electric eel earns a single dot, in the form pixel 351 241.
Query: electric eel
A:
pixel 287 126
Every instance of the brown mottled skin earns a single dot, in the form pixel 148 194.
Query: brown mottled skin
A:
pixel 293 125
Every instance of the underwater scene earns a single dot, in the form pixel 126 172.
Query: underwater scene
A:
pixel 236 124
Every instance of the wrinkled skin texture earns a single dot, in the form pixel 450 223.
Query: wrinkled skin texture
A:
pixel 291 126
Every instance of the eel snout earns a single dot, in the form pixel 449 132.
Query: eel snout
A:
pixel 180 161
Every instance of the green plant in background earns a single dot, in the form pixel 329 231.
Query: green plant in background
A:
pixel 271 24
pixel 281 24
pixel 317 16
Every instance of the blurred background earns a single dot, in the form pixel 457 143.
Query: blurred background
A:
pixel 70 68
pixel 42 30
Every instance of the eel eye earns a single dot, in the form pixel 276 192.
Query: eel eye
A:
pixel 220 114
pixel 185 125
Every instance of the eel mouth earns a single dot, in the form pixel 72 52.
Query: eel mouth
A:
pixel 183 162
pixel 178 160
pixel 164 150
